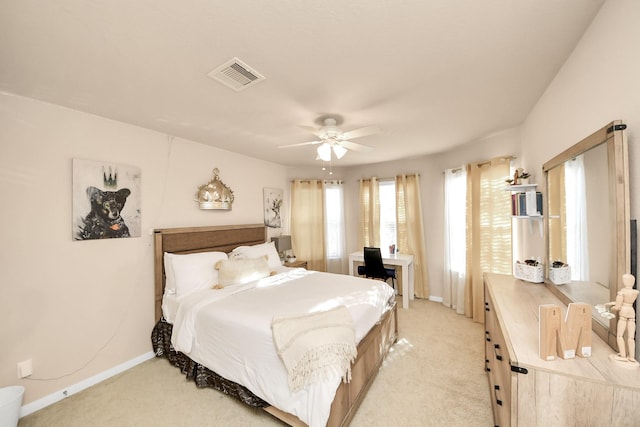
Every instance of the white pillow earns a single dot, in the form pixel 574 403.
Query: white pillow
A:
pixel 193 272
pixel 240 271
pixel 256 251
pixel 170 279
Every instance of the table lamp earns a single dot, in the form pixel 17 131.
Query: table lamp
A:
pixel 283 244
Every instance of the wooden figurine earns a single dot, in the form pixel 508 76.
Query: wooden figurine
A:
pixel 518 176
pixel 626 323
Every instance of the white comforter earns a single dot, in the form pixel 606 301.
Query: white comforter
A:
pixel 229 331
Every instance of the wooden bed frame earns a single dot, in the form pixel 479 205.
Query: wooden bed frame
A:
pixel 371 350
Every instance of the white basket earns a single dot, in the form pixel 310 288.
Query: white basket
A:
pixel 530 273
pixel 560 275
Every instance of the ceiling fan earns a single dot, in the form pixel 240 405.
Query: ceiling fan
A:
pixel 333 139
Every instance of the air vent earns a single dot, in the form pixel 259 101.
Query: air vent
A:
pixel 236 74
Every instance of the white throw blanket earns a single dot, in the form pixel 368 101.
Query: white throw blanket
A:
pixel 315 347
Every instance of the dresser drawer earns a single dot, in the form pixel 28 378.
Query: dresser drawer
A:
pixel 498 366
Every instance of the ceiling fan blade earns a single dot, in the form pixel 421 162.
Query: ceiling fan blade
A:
pixel 357 133
pixel 355 146
pixel 300 144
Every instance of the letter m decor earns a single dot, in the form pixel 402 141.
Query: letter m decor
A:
pixel 565 337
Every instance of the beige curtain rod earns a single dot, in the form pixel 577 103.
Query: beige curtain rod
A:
pixel 458 169
pixel 501 158
pixel 387 179
pixel 325 181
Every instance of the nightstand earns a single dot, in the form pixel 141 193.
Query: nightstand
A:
pixel 296 264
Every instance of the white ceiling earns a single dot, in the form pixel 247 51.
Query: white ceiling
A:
pixel 431 74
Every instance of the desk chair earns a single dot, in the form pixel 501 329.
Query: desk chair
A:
pixel 373 267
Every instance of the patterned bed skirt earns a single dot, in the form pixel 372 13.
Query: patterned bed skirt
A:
pixel 203 377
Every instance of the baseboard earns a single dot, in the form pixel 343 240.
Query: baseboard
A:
pixel 78 387
pixel 435 299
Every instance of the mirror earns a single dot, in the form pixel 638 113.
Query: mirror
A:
pixel 587 220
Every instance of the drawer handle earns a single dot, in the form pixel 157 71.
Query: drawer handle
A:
pixel 495 394
pixel 497 347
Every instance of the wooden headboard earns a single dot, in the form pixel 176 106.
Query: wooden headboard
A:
pixel 223 238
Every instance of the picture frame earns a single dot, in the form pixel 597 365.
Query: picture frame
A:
pixel 106 200
pixel 273 200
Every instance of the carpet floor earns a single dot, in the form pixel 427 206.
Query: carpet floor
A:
pixel 433 376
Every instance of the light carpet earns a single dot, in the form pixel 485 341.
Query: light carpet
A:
pixel 433 376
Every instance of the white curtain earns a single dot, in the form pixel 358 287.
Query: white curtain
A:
pixel 334 228
pixel 576 208
pixel 455 191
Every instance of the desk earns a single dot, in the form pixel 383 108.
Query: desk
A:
pixel 404 261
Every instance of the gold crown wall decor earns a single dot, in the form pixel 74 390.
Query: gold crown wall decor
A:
pixel 215 194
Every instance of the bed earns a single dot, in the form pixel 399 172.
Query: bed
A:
pixel 372 344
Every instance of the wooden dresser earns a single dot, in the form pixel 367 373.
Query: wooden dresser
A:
pixel 528 391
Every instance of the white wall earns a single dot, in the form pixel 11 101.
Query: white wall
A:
pixel 79 308
pixel 599 82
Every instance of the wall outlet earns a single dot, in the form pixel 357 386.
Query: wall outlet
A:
pixel 25 369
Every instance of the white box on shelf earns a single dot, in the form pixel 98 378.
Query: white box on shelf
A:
pixel 531 203
pixel 530 273
pixel 560 275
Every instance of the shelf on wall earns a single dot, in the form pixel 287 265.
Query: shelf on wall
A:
pixel 525 204
pixel 521 187
pixel 537 217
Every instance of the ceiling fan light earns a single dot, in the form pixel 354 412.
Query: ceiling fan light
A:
pixel 339 151
pixel 324 152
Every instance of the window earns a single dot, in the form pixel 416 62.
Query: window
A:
pixel 333 215
pixel 387 194
pixel 455 238
pixel 455 200
pixel 334 226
